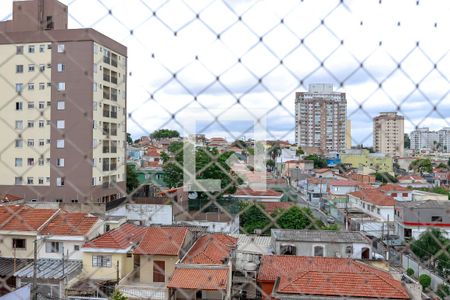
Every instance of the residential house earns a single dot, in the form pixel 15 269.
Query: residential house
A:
pixel 314 190
pixel 414 218
pixel 325 243
pixel 134 153
pixel 250 249
pixel 338 190
pixel 397 192
pixel 206 270
pixel 302 277
pixel 441 177
pixel 414 181
pixel 304 166
pixel 418 195
pixel 371 211
pixel 155 257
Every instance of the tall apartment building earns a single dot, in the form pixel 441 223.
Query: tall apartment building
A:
pixel 426 139
pixel 388 133
pixel 62 108
pixel 320 116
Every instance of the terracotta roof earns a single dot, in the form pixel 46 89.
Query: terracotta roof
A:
pixel 327 276
pixel 392 188
pixel 24 218
pixel 213 248
pixel 119 238
pixel 203 278
pixel 323 170
pixel 271 207
pixel 250 192
pixel 9 198
pixel 411 177
pixel 162 240
pixel 152 152
pixel 374 196
pixel 70 223
pixel 344 183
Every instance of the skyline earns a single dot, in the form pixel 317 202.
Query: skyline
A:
pixel 240 59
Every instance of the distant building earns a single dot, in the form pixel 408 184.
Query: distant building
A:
pixel 366 162
pixel 320 119
pixel 348 135
pixel 388 134
pixel 424 139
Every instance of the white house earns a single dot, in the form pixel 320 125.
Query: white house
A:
pixel 398 192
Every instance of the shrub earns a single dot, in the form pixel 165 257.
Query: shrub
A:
pixel 424 280
pixel 443 291
pixel 410 272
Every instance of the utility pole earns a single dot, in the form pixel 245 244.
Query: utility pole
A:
pixel 118 277
pixel 34 287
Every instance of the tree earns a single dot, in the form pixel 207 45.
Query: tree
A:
pixel 443 290
pixel 132 179
pixel 448 162
pixel 299 151
pixel 296 218
pixel 164 133
pixel 117 295
pixel 319 161
pixel 421 166
pixel 424 281
pixel 129 139
pixel 407 141
pixel 270 164
pixel 274 151
pixel 385 177
pixel 253 217
pixel 410 272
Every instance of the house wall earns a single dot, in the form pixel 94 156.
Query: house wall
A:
pixel 342 190
pixel 146 267
pixel 384 212
pixel 125 266
pixel 330 249
pixel 185 294
pixel 6 245
pixel 147 213
pixel 69 250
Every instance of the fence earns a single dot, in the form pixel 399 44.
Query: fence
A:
pixel 408 262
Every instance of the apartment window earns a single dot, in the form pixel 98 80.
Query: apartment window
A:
pixel 60 124
pixel 318 251
pixel 41 161
pixel 18 162
pixel 41 143
pixel 76 248
pixel 30 123
pixel 60 144
pixel 19 87
pixel 41 67
pixel 61 86
pixel 60 162
pixel 41 180
pixel 102 261
pixel 30 49
pixel 59 181
pixel 41 123
pixel 41 104
pixel 19 124
pixel 19 68
pixel 30 180
pixel 30 105
pixel 61 48
pixel 19 49
pixel 31 86
pixel 19 106
pixel 19 244
pixel 42 48
pixel 42 85
pixel 19 143
pixel 30 161
pixel 18 181
pixel 60 67
pixel 436 219
pixel 53 247
pixel 30 143
pixel 60 105
pixel 31 68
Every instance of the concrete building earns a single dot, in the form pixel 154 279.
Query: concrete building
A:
pixel 320 116
pixel 348 134
pixel 388 134
pixel 366 162
pixel 423 139
pixel 63 108
pixel 444 139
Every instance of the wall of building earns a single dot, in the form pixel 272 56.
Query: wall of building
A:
pixel 146 267
pixel 6 246
pixel 330 249
pixel 125 266
pixel 147 213
pixel 69 249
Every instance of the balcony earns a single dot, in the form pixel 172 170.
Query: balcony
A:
pixel 131 287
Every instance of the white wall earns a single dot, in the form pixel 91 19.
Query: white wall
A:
pixel 224 227
pixel 68 249
pixel 147 213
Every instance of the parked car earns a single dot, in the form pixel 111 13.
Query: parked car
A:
pixel 331 220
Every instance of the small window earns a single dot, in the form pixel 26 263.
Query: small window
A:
pixel 59 181
pixel 19 124
pixel 19 106
pixel 436 219
pixel 18 162
pixel 19 87
pixel 41 123
pixel 30 123
pixel 18 181
pixel 61 105
pixel 41 48
pixel 19 49
pixel 61 86
pixel 53 247
pixel 40 181
pixel 60 144
pixel 60 67
pixel 31 86
pixel 102 261
pixel 30 180
pixel 60 124
pixel 19 244
pixel 349 250
pixel 41 68
pixel 61 48
pixel 19 68
pixel 42 85
pixel 30 49
pixel 19 143
pixel 41 104
pixel 41 143
pixel 30 143
pixel 76 248
pixel 30 161
pixel 30 105
pixel 41 161
pixel 60 162
pixel 318 251
pixel 31 68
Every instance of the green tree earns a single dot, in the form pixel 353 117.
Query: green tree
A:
pixel 424 281
pixel 407 141
pixel 117 295
pixel 421 165
pixel 410 272
pixel 442 166
pixel 296 218
pixel 299 151
pixel 132 179
pixel 253 217
pixel 319 161
pixel 385 177
pixel 270 164
pixel 274 151
pixel 448 162
pixel 129 139
pixel 164 133
pixel 443 290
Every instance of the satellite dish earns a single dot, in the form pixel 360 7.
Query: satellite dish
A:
pixel 192 195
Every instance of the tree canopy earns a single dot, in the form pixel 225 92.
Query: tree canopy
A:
pixel 319 161
pixel 421 165
pixel 164 133
pixel 132 179
pixel 129 139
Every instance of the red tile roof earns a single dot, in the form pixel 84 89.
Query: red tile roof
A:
pixel 162 240
pixel 392 188
pixel 119 238
pixel 250 192
pixel 204 278
pixel 344 183
pixel 271 207
pixel 24 218
pixel 374 196
pixel 70 223
pixel 212 248
pixel 411 178
pixel 9 198
pixel 327 276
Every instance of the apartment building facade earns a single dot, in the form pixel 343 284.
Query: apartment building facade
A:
pixel 63 108
pixel 424 139
pixel 320 116
pixel 388 133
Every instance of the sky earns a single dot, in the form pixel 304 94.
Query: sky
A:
pixel 224 65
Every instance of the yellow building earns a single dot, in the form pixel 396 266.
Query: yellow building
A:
pixel 367 162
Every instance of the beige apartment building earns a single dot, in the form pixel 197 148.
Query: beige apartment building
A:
pixel 320 116
pixel 63 108
pixel 388 133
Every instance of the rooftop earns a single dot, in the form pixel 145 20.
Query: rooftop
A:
pixel 122 237
pixel 327 276
pixel 162 241
pixel 24 218
pixel 213 248
pixel 319 236
pixel 250 192
pixel 50 269
pixel 70 223
pixel 271 207
pixel 253 243
pixel 374 196
pixel 199 277
pixel 393 188
pixel 344 183
pixel 425 204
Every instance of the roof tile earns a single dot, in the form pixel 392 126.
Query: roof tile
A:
pixel 211 248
